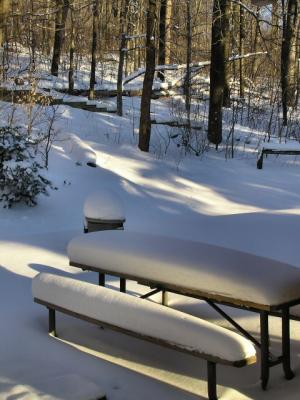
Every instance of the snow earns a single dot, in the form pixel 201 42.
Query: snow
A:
pixel 91 103
pixel 104 205
pixel 142 316
pixel 189 264
pixel 73 387
pixel 208 199
pixel 78 150
pixel 281 146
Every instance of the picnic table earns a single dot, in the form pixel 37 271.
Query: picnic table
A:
pixel 215 274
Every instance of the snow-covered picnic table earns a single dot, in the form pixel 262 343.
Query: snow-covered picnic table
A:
pixel 212 273
pixel 277 148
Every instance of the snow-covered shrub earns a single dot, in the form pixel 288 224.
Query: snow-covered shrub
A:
pixel 20 177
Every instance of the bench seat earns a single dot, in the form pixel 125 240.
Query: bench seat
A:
pixel 189 267
pixel 144 319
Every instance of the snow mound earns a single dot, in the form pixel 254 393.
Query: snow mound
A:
pixel 79 151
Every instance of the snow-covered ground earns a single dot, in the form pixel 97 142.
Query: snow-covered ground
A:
pixel 209 199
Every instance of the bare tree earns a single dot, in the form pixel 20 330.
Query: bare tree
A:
pixel 4 6
pixel 122 53
pixel 62 8
pixel 164 35
pixel 288 55
pixel 94 48
pixel 145 120
pixel 72 50
pixel 217 70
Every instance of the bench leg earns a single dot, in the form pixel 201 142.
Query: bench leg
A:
pixel 52 322
pixel 264 335
pixel 123 285
pixel 286 356
pixel 260 161
pixel 212 380
pixel 164 298
pixel 101 279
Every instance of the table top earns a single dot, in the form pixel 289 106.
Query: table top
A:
pixel 189 267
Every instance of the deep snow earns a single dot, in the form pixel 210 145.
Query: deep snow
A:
pixel 228 203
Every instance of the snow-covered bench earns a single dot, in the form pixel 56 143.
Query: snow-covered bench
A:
pixel 143 319
pixel 277 148
pixel 212 273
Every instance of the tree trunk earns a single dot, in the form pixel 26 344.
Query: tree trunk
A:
pixel 288 54
pixel 217 71
pixel 60 23
pixel 145 120
pixel 122 54
pixel 94 49
pixel 164 35
pixel 72 52
pixel 226 34
pixel 298 64
pixel 4 6
pixel 241 50
pixel 187 82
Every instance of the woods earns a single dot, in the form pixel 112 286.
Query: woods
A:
pixel 135 38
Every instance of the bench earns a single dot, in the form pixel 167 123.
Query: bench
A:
pixel 277 148
pixel 145 320
pixel 211 273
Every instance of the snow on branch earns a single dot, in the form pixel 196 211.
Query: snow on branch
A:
pixel 198 66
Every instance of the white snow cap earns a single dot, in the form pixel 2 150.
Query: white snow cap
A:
pixel 142 316
pixel 104 205
pixel 78 150
pixel 291 146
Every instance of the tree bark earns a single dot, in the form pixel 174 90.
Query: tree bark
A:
pixel 60 23
pixel 94 49
pixel 227 33
pixel 122 54
pixel 145 120
pixel 217 71
pixel 164 35
pixel 187 82
pixel 288 55
pixel 4 6
pixel 242 36
pixel 72 52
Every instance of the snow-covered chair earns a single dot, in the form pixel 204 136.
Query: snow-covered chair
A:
pixel 213 273
pixel 143 319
